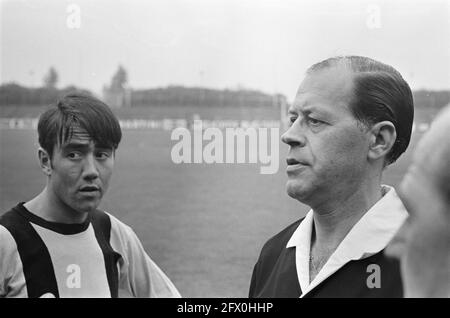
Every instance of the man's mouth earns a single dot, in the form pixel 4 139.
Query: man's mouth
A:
pixel 89 189
pixel 294 166
pixel 292 161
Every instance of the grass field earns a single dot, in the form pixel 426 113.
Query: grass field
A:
pixel 203 224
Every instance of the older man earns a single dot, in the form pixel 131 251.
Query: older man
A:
pixel 352 117
pixel 423 243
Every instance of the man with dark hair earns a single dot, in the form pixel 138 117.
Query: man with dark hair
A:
pixel 423 243
pixel 352 117
pixel 59 244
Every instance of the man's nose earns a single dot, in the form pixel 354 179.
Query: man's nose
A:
pixel 294 136
pixel 90 170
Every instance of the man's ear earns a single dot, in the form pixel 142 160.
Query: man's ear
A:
pixel 45 161
pixel 382 139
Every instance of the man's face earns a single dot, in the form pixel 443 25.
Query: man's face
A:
pixel 328 147
pixel 423 243
pixel 80 172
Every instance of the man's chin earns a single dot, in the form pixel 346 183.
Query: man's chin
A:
pixel 297 191
pixel 88 207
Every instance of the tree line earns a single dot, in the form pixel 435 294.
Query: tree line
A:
pixel 15 94
pixel 188 96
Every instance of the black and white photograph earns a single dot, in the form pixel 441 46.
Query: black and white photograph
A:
pixel 224 149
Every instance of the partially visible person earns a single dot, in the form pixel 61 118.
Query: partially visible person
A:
pixel 423 243
pixel 58 244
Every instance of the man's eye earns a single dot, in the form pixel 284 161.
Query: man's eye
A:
pixel 292 119
pixel 74 155
pixel 314 122
pixel 103 155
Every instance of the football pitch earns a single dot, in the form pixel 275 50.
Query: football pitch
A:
pixel 203 224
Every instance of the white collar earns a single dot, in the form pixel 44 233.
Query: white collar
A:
pixel 369 235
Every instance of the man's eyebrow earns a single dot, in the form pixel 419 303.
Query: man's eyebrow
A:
pixel 310 109
pixel 104 147
pixel 304 111
pixel 307 110
pixel 75 146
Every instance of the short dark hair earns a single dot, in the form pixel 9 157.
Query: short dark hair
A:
pixel 380 93
pixel 56 125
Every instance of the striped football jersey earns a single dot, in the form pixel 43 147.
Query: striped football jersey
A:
pixel 101 257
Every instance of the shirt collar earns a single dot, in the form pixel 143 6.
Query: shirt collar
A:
pixel 369 235
pixel 301 240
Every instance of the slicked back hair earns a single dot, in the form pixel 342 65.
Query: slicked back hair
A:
pixel 380 94
pixel 77 110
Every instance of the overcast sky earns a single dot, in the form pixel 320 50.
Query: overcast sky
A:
pixel 258 44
